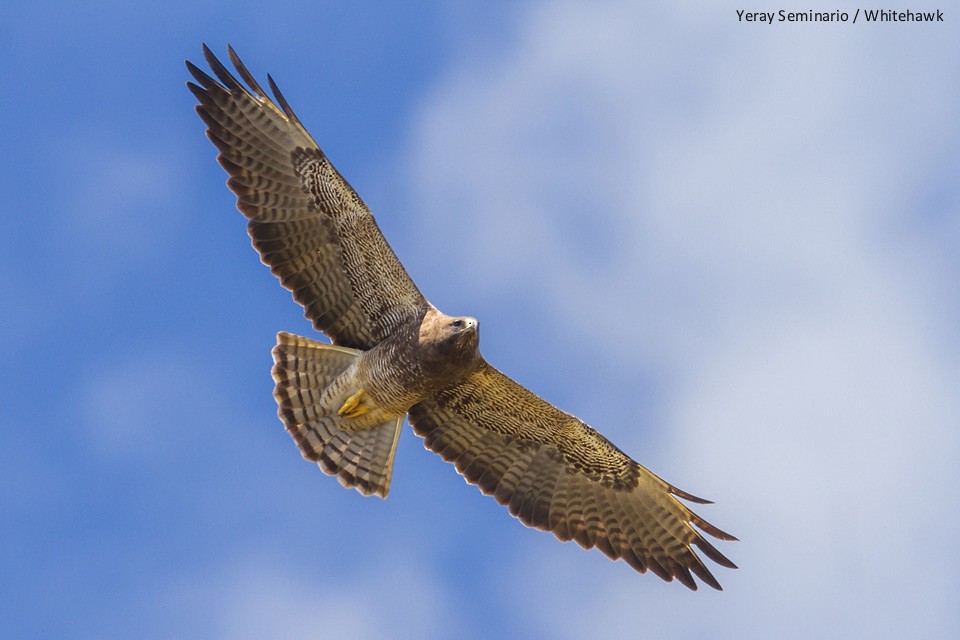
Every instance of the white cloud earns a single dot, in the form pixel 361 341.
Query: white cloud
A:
pixel 728 204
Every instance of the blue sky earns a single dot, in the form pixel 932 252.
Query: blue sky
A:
pixel 732 248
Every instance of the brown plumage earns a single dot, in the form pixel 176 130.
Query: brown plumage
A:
pixel 395 355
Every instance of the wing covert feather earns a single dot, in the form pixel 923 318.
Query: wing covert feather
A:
pixel 305 220
pixel 556 473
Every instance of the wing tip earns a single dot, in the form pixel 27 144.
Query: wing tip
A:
pixel 282 101
pixel 226 81
pixel 714 531
pixel 245 73
pixel 689 497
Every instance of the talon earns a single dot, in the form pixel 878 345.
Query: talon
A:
pixel 354 405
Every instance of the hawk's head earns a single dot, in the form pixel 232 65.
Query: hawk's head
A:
pixel 447 341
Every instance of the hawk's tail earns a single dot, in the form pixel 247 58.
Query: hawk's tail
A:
pixel 308 383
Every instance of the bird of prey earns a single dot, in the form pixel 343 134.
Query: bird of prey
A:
pixel 393 355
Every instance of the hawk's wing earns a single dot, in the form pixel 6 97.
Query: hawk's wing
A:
pixel 307 223
pixel 556 473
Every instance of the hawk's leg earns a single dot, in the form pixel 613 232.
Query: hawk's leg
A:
pixel 354 406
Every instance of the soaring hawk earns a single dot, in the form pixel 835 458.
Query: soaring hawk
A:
pixel 395 355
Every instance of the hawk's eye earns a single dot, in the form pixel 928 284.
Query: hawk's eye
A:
pixel 457 324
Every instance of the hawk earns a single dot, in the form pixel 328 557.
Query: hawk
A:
pixel 394 355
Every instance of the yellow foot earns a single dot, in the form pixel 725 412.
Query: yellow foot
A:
pixel 354 406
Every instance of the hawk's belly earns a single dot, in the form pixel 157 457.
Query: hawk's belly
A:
pixel 377 387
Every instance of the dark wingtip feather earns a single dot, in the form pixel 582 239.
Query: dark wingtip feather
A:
pixel 282 101
pixel 222 72
pixel 713 553
pixel 688 496
pixel 683 575
pixel 657 568
pixel 245 74
pixel 202 77
pixel 196 90
pixel 696 566
pixel 635 561
pixel 703 525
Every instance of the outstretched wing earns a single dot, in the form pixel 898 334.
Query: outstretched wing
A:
pixel 556 473
pixel 307 223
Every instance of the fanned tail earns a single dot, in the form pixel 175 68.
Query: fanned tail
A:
pixel 310 376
